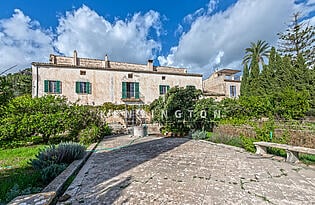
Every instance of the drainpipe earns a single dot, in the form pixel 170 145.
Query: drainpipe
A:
pixel 36 81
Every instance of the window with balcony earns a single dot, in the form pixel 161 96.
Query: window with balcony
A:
pixel 130 90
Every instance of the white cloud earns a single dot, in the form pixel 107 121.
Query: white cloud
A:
pixel 212 5
pixel 93 36
pixel 220 39
pixel 22 41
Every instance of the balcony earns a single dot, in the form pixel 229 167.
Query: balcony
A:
pixel 131 97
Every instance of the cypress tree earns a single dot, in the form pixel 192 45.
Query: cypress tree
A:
pixel 254 86
pixel 245 81
pixel 267 77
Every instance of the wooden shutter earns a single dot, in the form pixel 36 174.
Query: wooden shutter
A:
pixel 46 84
pixel 88 88
pixel 58 88
pixel 77 87
pixel 161 89
pixel 124 90
pixel 137 93
pixel 167 88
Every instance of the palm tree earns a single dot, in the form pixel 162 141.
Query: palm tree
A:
pixel 259 50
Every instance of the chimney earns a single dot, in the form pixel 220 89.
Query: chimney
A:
pixel 150 64
pixel 106 61
pixel 75 58
pixel 52 59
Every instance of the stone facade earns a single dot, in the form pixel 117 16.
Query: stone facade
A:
pixel 222 84
pixel 105 81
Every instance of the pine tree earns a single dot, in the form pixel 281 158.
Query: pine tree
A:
pixel 245 81
pixel 299 38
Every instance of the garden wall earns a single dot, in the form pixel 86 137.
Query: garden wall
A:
pixel 303 138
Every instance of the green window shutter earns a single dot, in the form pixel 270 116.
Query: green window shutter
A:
pixel 124 90
pixel 46 86
pixel 58 89
pixel 77 87
pixel 167 87
pixel 161 89
pixel 137 94
pixel 88 88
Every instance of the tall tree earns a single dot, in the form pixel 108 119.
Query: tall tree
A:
pixel 299 38
pixel 267 78
pixel 254 86
pixel 257 51
pixel 245 81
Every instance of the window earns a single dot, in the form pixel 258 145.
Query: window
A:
pixel 163 77
pixel 52 86
pixel 130 75
pixel 130 90
pixel 83 87
pixel 82 72
pixel 232 91
pixel 164 89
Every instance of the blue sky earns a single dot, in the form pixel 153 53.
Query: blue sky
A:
pixel 200 35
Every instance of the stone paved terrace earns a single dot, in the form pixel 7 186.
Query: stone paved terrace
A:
pixel 154 170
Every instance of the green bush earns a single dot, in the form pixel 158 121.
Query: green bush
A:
pixel 233 141
pixel 94 133
pixel 52 171
pixel 64 153
pixel 16 190
pixel 90 134
pixel 199 135
pixel 248 143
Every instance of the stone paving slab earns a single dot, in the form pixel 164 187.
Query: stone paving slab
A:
pixel 155 170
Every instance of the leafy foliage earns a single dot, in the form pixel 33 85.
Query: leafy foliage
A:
pixel 199 135
pixel 24 117
pixel 256 52
pixel 93 133
pixel 284 89
pixel 52 171
pixel 175 109
pixel 13 85
pixel 64 153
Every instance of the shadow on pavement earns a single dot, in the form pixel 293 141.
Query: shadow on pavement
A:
pixel 100 185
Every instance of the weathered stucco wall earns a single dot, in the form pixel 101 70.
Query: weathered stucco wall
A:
pixel 106 84
pixel 220 85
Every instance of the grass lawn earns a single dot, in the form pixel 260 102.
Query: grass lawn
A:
pixel 16 175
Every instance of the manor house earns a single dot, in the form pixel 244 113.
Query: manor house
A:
pixel 94 82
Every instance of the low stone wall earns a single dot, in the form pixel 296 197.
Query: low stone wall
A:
pixel 54 188
pixel 303 138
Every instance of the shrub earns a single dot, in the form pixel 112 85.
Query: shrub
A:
pixel 70 151
pixel 105 130
pixel 52 171
pixel 94 133
pixel 248 143
pixel 229 140
pixel 16 190
pixel 64 153
pixel 199 135
pixel 90 134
